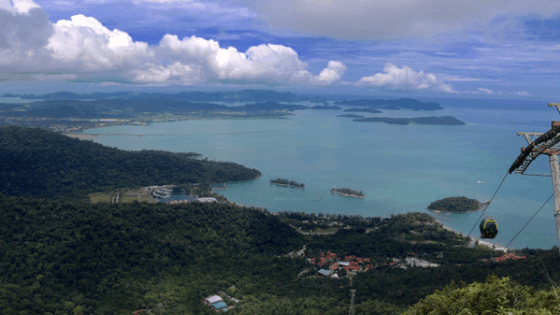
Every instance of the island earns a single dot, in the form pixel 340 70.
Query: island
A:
pixel 403 103
pixel 457 204
pixel 347 192
pixel 363 110
pixel 443 120
pixel 285 182
pixel 325 107
pixel 351 116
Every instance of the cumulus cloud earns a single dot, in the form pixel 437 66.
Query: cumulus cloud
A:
pixel 29 42
pixel 390 18
pixel 404 78
pixel 24 31
pixel 84 43
pixel 193 60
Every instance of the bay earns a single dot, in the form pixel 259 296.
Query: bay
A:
pixel 400 168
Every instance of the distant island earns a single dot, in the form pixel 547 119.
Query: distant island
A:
pixel 363 110
pixel 285 182
pixel 456 204
pixel 403 103
pixel 351 116
pixel 326 107
pixel 348 192
pixel 443 120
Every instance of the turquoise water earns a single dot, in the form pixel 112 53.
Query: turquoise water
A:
pixel 399 168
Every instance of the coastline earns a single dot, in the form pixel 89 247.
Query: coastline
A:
pixel 473 239
pixel 80 136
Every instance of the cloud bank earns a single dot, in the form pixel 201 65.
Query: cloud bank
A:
pixel 404 78
pixel 390 18
pixel 83 45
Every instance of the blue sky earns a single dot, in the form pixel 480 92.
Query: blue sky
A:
pixel 505 49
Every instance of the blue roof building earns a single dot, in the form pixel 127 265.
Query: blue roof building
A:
pixel 219 305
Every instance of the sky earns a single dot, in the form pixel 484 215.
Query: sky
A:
pixel 503 49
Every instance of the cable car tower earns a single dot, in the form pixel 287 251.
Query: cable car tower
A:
pixel 545 143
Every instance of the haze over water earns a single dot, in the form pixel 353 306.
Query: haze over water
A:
pixel 400 168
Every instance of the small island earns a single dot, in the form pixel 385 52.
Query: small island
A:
pixel 351 116
pixel 325 107
pixel 363 110
pixel 285 182
pixel 457 204
pixel 347 192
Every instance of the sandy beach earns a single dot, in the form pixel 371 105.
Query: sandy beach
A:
pixel 474 239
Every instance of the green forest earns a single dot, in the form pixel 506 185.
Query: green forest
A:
pixel 285 182
pixel 41 163
pixel 62 255
pixel 348 191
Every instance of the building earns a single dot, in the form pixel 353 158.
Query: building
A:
pixel 207 199
pixel 213 299
pixel 325 273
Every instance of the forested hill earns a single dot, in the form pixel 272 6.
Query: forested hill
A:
pixel 44 164
pixel 67 257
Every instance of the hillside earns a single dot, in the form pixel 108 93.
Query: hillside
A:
pixel 44 164
pixel 72 257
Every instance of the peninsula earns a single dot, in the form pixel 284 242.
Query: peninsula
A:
pixel 347 192
pixel 456 204
pixel 285 182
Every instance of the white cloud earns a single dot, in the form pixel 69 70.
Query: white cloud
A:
pixel 24 31
pixel 24 6
pixel 193 60
pixel 404 78
pixel 485 91
pixel 84 43
pixel 390 18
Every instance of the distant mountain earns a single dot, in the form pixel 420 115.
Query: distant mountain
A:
pixel 363 110
pixel 325 107
pixel 228 97
pixel 351 116
pixel 403 103
pixel 444 120
pixel 268 106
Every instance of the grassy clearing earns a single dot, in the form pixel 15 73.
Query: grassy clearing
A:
pixel 134 192
pixel 100 197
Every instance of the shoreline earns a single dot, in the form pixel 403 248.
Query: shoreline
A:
pixel 473 239
pixel 81 136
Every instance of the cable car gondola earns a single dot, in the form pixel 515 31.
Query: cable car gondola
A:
pixel 488 228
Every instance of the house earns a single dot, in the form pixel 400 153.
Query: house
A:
pixel 325 273
pixel 213 299
pixel 207 199
pixel 220 306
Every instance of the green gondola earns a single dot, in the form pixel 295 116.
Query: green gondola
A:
pixel 488 228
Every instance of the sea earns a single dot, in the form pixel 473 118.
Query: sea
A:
pixel 400 169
